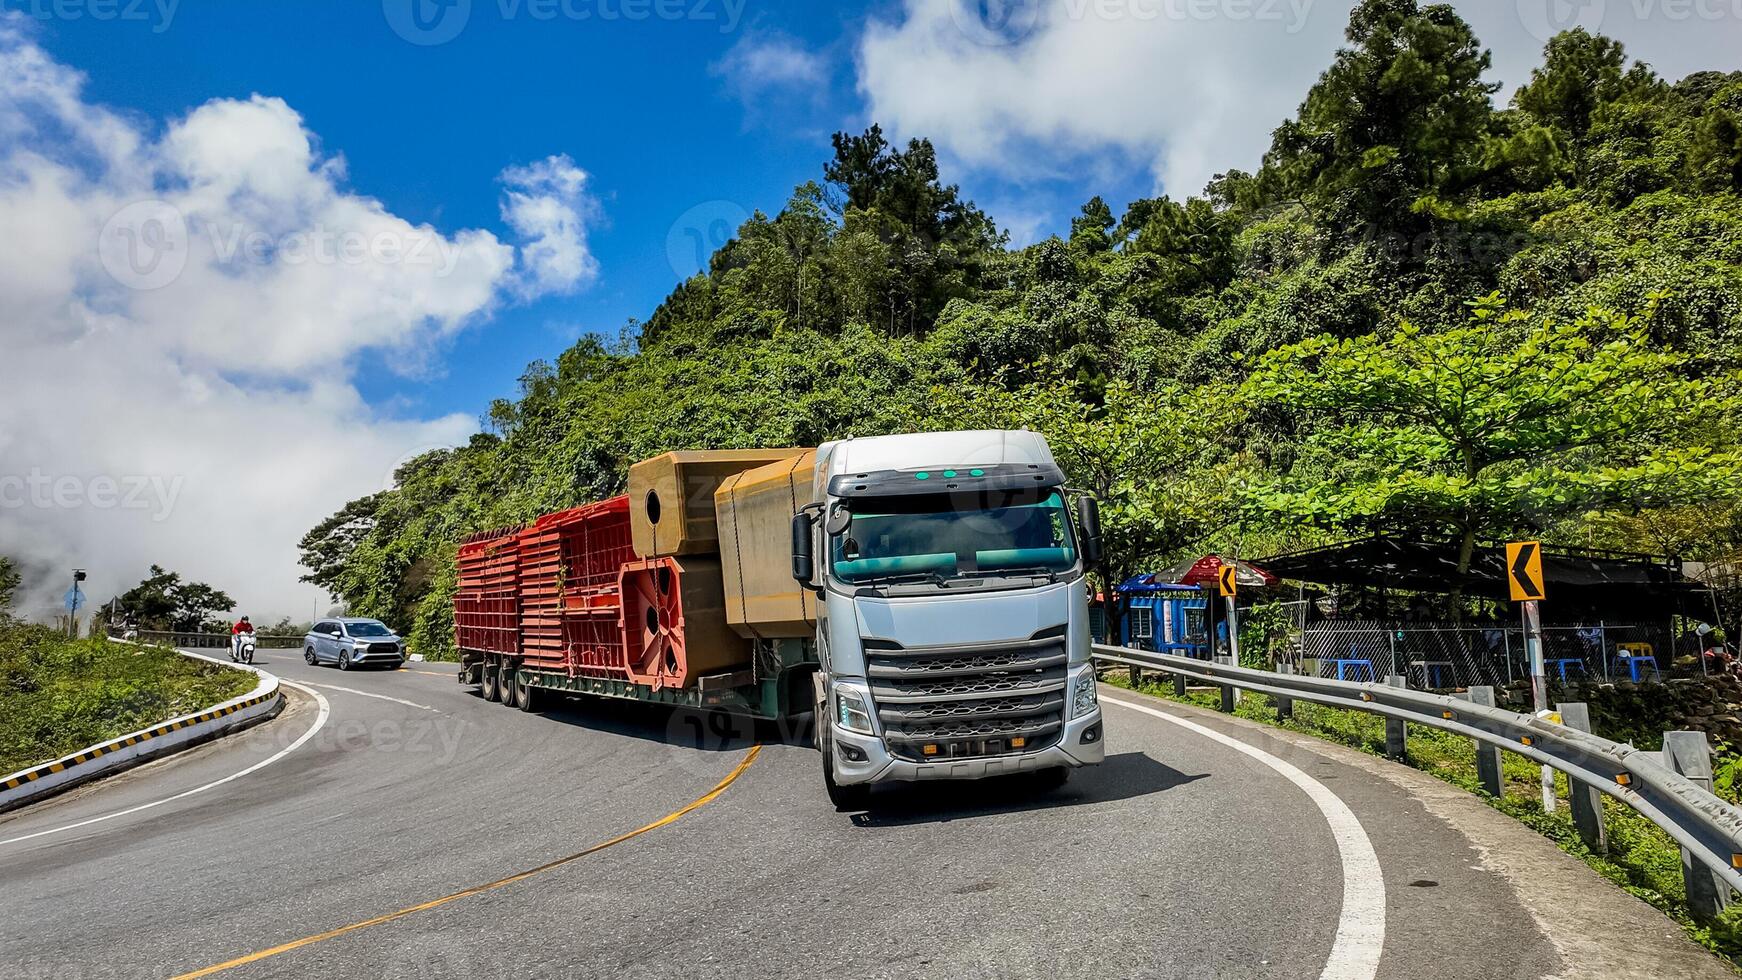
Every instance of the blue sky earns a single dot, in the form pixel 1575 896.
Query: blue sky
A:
pixel 649 109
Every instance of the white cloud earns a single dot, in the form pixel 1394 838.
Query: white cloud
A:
pixel 763 63
pixel 181 319
pixel 1024 88
pixel 547 203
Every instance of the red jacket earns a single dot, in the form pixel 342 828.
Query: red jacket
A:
pixel 242 627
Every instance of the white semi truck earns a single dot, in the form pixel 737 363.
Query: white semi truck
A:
pixel 924 594
pixel 952 627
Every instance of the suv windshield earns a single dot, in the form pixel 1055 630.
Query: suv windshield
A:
pixel 367 629
pixel 952 535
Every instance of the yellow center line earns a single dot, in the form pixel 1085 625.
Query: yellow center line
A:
pixel 669 818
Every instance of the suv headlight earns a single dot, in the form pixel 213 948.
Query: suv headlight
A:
pixel 852 713
pixel 1083 699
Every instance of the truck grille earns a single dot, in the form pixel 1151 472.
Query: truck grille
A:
pixel 969 702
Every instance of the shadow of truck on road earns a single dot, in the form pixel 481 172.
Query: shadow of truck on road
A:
pixel 1126 776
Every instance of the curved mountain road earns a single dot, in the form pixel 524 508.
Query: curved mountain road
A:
pixel 1204 847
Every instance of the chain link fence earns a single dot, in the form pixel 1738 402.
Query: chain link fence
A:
pixel 1445 656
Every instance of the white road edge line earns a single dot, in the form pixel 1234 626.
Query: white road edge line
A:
pixel 369 694
pixel 1361 922
pixel 320 721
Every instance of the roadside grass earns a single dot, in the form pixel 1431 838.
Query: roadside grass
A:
pixel 59 695
pixel 1642 859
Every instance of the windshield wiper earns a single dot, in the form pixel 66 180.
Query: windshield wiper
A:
pixel 1051 574
pixel 938 577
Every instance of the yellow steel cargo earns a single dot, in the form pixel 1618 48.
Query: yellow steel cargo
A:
pixel 671 498
pixel 755 510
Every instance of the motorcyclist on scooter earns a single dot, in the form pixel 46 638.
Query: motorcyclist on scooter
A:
pixel 242 626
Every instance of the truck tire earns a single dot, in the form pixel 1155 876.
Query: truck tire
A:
pixel 526 696
pixel 506 681
pixel 492 692
pixel 847 799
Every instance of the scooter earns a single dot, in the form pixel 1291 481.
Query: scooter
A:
pixel 242 648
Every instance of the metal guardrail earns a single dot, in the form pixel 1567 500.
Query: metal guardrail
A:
pixel 206 641
pixel 1709 828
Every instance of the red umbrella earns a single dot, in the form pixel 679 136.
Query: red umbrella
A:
pixel 1207 570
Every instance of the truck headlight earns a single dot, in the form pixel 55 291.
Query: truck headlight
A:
pixel 1083 699
pixel 851 712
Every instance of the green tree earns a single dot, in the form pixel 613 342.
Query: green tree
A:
pixel 163 601
pixel 9 581
pixel 1092 230
pixel 1396 123
pixel 1505 425
pixel 1581 72
pixel 329 545
pixel 1716 154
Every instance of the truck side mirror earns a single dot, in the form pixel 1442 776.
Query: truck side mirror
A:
pixel 1089 520
pixel 803 552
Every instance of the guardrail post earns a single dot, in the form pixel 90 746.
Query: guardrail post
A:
pixel 1689 754
pixel 1284 706
pixel 1230 695
pixel 1179 685
pixel 1135 676
pixel 1396 731
pixel 1487 756
pixel 1587 802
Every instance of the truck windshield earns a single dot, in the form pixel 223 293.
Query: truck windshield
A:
pixel 953 535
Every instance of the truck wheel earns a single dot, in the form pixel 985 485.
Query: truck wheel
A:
pixel 491 691
pixel 510 685
pixel 526 695
pixel 845 798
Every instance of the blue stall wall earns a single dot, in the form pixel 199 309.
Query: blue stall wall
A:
pixel 1169 621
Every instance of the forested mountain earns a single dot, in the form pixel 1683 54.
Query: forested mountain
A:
pixel 1425 312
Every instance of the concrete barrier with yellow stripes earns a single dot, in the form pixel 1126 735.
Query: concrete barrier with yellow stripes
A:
pixel 174 735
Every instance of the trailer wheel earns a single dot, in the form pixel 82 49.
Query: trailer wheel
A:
pixel 510 685
pixel 492 692
pixel 525 694
pixel 846 799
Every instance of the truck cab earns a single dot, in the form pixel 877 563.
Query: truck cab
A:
pixel 952 615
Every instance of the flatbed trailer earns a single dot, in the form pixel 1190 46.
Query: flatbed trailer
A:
pixel 781 690
pixel 558 606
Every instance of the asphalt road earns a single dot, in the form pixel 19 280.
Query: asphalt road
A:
pixel 1204 847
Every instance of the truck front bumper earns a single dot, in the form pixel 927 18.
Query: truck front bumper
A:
pixel 1082 744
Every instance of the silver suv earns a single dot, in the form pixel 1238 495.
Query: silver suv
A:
pixel 353 643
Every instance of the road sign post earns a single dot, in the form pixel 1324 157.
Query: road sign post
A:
pixel 1227 579
pixel 1524 576
pixel 75 600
